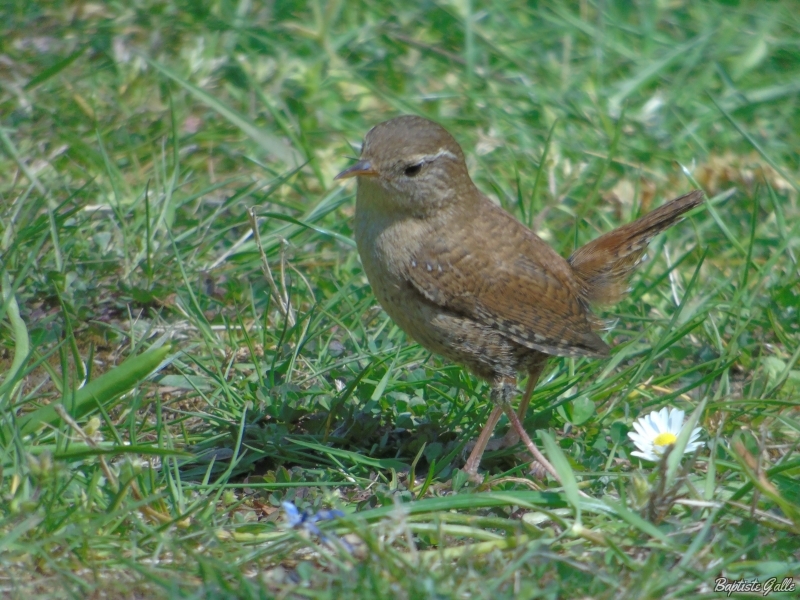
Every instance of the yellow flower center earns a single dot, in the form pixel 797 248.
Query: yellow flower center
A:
pixel 665 439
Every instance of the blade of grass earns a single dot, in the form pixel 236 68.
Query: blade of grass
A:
pixel 104 390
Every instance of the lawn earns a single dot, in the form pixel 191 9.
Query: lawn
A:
pixel 199 394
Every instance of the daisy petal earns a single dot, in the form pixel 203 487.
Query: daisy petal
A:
pixel 646 456
pixel 676 420
pixel 663 419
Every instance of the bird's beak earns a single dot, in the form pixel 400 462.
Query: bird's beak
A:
pixel 362 168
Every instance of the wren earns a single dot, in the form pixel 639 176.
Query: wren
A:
pixel 469 282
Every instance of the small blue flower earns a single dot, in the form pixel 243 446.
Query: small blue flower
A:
pixel 306 520
pixel 294 516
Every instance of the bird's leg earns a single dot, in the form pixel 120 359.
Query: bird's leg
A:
pixel 517 424
pixel 502 390
pixel 474 460
pixel 512 437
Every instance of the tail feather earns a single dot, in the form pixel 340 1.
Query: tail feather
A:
pixel 603 265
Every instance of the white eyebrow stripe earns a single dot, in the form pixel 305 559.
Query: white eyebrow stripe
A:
pixel 443 152
pixel 429 157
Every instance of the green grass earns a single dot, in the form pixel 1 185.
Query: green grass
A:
pixel 135 139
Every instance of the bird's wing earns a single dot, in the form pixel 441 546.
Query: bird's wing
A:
pixel 536 306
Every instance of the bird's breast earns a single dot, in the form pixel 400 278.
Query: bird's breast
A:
pixel 387 245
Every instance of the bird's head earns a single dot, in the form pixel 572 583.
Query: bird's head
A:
pixel 417 164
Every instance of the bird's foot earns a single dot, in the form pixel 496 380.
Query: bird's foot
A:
pixel 473 476
pixel 536 469
pixel 492 445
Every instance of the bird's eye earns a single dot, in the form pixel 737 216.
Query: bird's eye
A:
pixel 412 170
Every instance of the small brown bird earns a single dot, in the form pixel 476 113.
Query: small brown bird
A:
pixel 468 281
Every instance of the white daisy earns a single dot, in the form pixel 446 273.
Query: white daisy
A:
pixel 659 430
